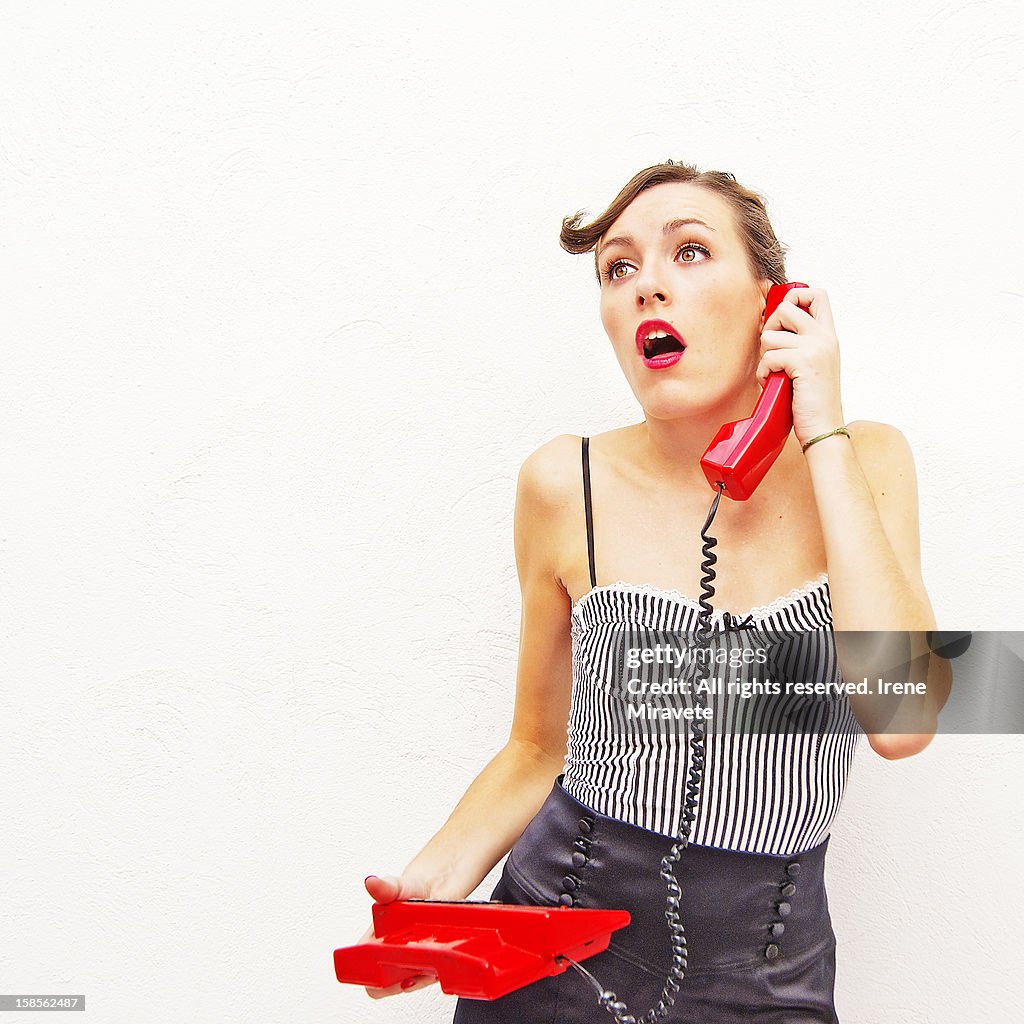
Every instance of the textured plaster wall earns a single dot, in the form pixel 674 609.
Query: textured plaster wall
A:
pixel 284 312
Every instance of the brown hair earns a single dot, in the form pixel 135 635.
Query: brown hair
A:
pixel 765 252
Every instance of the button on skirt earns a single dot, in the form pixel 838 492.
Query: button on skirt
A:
pixel 759 938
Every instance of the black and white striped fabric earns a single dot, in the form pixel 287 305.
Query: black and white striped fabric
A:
pixel 766 788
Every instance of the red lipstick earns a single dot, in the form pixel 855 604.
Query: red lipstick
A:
pixel 665 359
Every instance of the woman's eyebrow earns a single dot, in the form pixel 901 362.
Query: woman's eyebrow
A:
pixel 667 230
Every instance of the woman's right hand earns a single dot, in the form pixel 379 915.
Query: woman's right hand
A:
pixel 385 890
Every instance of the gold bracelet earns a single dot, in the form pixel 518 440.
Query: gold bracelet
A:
pixel 821 437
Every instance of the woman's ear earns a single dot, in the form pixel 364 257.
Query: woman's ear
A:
pixel 764 286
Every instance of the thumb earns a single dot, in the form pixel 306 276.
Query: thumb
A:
pixel 384 889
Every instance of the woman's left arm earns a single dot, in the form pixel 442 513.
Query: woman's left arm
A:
pixel 865 487
pixel 866 492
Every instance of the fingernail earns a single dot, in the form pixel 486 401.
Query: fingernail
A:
pixel 408 983
pixel 367 878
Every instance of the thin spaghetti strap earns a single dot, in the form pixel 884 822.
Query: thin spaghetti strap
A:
pixel 590 514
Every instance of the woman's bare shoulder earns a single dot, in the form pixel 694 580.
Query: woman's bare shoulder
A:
pixel 554 470
pixel 879 446
pixel 550 474
pixel 873 431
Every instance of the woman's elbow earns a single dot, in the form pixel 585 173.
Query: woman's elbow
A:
pixel 895 746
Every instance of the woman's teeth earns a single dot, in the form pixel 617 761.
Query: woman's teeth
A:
pixel 659 342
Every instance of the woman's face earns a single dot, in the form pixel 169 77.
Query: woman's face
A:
pixel 697 279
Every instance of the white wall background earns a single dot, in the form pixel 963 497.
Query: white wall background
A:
pixel 284 313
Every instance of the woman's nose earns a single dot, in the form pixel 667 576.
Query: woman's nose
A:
pixel 647 296
pixel 648 288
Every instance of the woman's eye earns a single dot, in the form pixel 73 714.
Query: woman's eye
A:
pixel 687 251
pixel 691 248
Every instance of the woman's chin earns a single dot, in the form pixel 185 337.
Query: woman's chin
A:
pixel 671 410
pixel 668 399
pixel 671 400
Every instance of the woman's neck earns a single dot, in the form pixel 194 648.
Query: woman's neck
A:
pixel 668 453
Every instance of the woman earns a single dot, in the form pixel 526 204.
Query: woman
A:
pixel 828 541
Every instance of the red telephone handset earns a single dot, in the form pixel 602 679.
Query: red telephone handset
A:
pixel 742 452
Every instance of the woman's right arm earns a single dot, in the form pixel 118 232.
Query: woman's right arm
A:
pixel 508 792
pixel 506 795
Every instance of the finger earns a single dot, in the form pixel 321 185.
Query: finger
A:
pixel 799 303
pixel 383 993
pixel 418 982
pixel 410 984
pixel 789 315
pixel 771 340
pixel 773 362
pixel 383 890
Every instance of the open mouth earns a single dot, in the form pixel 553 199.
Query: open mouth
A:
pixel 659 344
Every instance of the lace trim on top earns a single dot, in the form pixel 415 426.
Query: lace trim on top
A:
pixel 758 612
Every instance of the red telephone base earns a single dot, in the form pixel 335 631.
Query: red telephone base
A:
pixel 475 949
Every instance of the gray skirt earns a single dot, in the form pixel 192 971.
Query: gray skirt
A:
pixel 759 936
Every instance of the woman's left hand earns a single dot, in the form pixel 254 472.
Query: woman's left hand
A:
pixel 799 338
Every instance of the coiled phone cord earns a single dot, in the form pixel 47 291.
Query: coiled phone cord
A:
pixel 608 999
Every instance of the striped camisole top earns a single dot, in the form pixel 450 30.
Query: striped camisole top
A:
pixel 770 785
